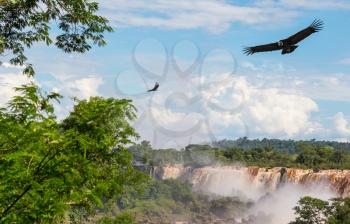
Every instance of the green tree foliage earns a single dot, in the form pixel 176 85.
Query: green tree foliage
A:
pixel 307 156
pixel 322 157
pixel 52 170
pixel 290 146
pixel 22 23
pixel 311 211
pixel 315 211
pixel 340 213
pixel 48 167
pixel 166 201
pixel 123 218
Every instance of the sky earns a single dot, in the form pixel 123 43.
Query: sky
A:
pixel 209 90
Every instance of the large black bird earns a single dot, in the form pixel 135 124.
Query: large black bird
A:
pixel 287 45
pixel 154 88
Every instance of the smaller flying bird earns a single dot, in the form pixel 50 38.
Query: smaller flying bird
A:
pixel 154 88
pixel 287 45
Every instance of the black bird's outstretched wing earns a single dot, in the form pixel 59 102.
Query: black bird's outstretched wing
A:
pixel 316 26
pixel 154 88
pixel 262 48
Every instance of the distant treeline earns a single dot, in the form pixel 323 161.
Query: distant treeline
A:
pixel 291 146
pixel 304 154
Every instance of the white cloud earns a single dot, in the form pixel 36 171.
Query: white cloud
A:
pixel 174 120
pixel 345 61
pixel 273 101
pixel 8 81
pixel 306 4
pixel 211 15
pixel 342 125
pixel 326 87
pixel 81 88
pixel 228 107
pixel 9 65
pixel 266 111
pixel 316 85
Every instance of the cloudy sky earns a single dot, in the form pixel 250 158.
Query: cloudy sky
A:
pixel 210 90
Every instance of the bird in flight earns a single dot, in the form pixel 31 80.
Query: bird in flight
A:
pixel 287 45
pixel 154 88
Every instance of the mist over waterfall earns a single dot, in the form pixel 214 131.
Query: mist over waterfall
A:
pixel 273 191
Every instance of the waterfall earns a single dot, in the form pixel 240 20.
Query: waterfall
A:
pixel 254 182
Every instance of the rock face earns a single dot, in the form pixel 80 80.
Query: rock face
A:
pixel 254 181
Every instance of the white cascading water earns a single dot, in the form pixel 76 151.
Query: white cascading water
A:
pixel 275 191
pixel 226 180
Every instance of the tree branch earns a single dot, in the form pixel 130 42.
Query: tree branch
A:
pixel 15 201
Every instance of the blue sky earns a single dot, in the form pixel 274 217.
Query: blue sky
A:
pixel 227 94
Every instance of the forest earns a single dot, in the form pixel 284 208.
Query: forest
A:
pixel 305 155
pixel 290 145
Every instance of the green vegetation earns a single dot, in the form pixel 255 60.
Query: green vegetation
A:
pixel 170 200
pixel 49 167
pixel 54 171
pixel 290 146
pixel 23 23
pixel 306 155
pixel 78 170
pixel 121 218
pixel 316 211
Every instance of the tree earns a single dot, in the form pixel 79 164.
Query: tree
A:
pixel 340 211
pixel 311 211
pixel 48 166
pixel 340 157
pixel 234 154
pixel 120 219
pixel 308 157
pixel 316 211
pixel 23 22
